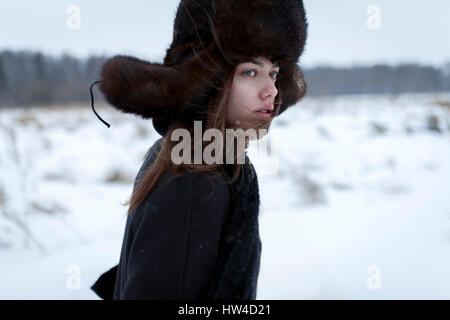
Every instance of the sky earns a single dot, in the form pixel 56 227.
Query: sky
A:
pixel 341 33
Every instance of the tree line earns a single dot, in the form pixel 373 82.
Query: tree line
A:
pixel 33 78
pixel 377 79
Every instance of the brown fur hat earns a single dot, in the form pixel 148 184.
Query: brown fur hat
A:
pixel 209 38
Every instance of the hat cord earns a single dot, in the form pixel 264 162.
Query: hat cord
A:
pixel 92 103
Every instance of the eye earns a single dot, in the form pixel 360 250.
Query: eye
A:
pixel 247 71
pixel 273 77
pixel 276 75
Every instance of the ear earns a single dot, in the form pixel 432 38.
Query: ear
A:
pixel 150 89
pixel 294 87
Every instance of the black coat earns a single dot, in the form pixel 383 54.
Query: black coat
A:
pixel 189 239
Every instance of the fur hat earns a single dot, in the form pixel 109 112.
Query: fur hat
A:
pixel 209 38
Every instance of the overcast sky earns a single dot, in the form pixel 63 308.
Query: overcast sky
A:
pixel 409 30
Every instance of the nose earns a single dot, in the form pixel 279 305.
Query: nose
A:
pixel 269 90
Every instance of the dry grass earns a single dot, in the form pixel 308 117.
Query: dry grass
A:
pixel 49 209
pixel 443 103
pixel 378 128
pixel 433 123
pixel 117 176
pixel 27 119
pixel 142 131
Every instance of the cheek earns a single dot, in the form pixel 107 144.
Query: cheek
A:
pixel 240 103
pixel 243 93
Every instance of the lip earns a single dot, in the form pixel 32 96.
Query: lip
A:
pixel 268 107
pixel 264 115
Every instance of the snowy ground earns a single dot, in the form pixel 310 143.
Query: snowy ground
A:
pixel 358 207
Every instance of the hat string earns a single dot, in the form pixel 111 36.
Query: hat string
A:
pixel 92 103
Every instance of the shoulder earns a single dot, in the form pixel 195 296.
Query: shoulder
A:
pixel 149 158
pixel 198 194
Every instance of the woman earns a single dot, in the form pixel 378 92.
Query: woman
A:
pixel 192 229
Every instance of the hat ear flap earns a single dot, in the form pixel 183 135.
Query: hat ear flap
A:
pixel 136 86
pixel 149 89
pixel 293 87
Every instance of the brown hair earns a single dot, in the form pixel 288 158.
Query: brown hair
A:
pixel 216 117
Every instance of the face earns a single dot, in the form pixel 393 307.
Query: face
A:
pixel 253 88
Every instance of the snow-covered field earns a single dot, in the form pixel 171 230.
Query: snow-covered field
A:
pixel 358 208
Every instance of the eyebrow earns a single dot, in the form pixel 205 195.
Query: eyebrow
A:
pixel 257 62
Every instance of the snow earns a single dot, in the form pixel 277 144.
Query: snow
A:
pixel 356 208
